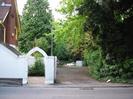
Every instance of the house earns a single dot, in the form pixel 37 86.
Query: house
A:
pixel 9 22
pixel 13 66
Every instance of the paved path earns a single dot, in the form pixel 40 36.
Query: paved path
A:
pixel 74 75
pixel 36 81
pixel 65 93
pixel 66 76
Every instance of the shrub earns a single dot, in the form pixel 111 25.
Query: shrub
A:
pixel 93 59
pixel 122 70
pixel 99 68
pixel 37 69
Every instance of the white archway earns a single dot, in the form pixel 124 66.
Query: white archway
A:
pixel 50 64
pixel 37 49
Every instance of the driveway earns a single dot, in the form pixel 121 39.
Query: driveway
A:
pixel 74 75
pixel 66 76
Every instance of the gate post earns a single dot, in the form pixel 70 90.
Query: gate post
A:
pixel 49 62
pixel 55 67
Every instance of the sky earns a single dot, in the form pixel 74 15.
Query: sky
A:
pixel 53 5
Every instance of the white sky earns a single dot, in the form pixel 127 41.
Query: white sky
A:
pixel 53 5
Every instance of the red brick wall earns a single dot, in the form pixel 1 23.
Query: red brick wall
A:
pixel 10 24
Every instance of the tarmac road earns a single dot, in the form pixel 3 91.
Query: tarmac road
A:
pixel 66 93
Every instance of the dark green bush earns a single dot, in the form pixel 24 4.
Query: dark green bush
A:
pixel 100 69
pixel 122 70
pixel 37 69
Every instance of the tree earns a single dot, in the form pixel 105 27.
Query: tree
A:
pixel 111 24
pixel 69 37
pixel 109 20
pixel 36 24
pixel 69 33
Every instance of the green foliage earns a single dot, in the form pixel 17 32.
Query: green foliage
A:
pixel 68 37
pixel 93 59
pixel 37 69
pixel 37 54
pixel 69 7
pixel 36 24
pixel 61 51
pixel 110 22
pixel 117 71
pixel 69 32
pixel 100 69
pixel 43 43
